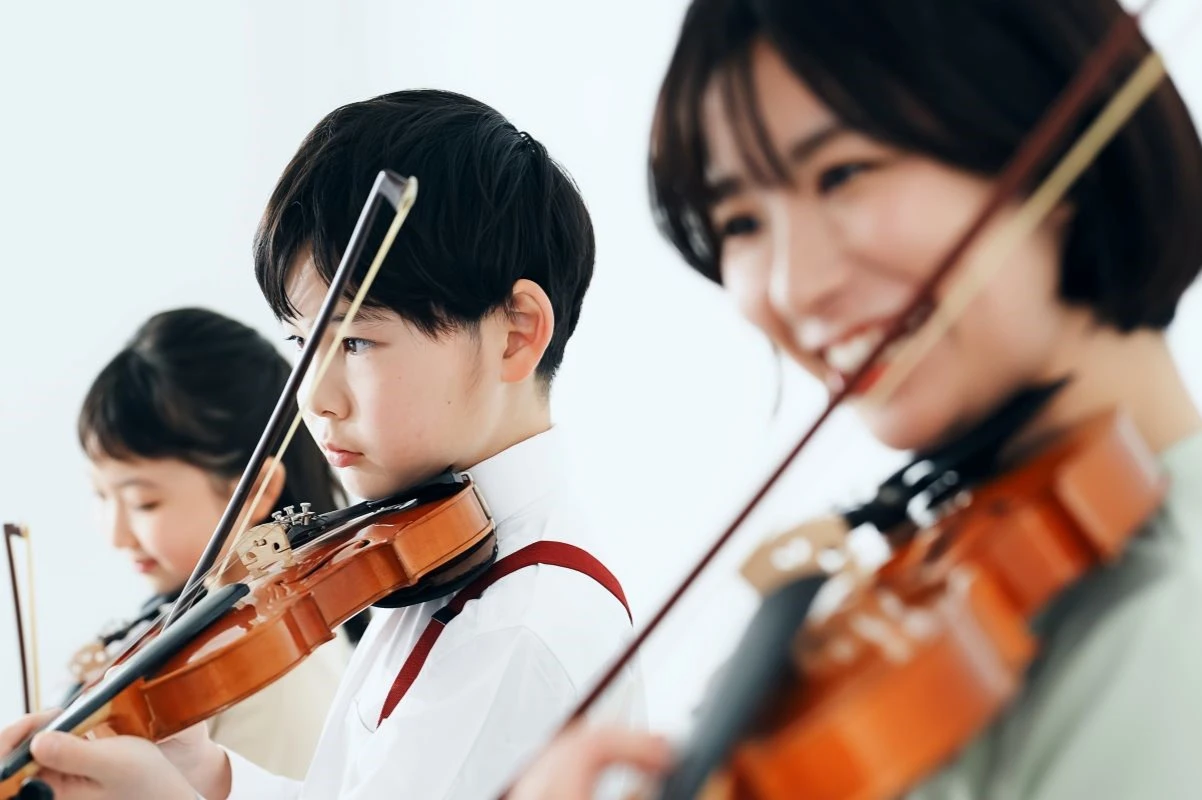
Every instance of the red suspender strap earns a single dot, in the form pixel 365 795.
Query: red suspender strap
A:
pixel 555 554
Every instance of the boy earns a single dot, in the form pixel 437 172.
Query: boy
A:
pixel 448 365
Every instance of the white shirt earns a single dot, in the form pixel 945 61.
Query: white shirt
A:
pixel 501 678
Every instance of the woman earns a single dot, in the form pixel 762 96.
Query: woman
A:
pixel 169 425
pixel 817 159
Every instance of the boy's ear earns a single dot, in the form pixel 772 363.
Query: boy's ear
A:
pixel 529 323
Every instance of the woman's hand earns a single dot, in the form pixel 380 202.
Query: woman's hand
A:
pixel 572 764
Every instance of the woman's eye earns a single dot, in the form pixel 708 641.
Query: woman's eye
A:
pixel 739 226
pixel 835 177
pixel 355 346
pixel 151 506
pixel 297 341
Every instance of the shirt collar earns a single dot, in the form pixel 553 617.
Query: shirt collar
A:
pixel 520 475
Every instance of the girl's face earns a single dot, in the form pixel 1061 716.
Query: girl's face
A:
pixel 822 263
pixel 161 512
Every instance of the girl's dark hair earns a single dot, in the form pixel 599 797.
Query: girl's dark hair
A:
pixel 962 81
pixel 493 207
pixel 199 387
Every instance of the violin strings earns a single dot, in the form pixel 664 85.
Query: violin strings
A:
pixel 403 206
pixel 1031 214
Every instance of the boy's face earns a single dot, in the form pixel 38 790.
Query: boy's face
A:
pixel 395 405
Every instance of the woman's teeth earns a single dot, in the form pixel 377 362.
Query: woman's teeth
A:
pixel 849 355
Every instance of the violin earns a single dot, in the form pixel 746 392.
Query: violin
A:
pixel 243 636
pixel 240 625
pixel 861 698
pixel 938 637
pixel 301 531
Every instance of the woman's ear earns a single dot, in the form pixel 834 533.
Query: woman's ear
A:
pixel 529 322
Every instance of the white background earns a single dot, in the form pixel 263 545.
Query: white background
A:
pixel 138 145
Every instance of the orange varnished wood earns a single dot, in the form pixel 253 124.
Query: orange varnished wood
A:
pixel 290 612
pixel 921 658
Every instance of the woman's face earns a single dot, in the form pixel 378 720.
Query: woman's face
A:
pixel 823 264
pixel 161 512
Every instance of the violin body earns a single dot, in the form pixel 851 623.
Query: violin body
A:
pixel 288 607
pixel 926 652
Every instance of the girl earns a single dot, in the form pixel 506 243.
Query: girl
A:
pixel 817 159
pixel 168 425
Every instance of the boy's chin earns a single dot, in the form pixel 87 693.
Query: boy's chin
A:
pixel 369 486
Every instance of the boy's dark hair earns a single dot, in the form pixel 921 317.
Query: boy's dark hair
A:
pixel 962 81
pixel 492 208
pixel 199 387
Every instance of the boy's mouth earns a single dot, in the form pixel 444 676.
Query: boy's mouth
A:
pixel 338 457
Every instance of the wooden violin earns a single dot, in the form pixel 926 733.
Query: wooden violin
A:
pixel 861 702
pixel 295 579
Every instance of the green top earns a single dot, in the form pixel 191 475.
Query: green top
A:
pixel 1113 706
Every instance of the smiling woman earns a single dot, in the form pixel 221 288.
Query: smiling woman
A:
pixel 818 160
pixel 168 426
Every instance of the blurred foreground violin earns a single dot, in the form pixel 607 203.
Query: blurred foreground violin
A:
pixel 284 586
pixel 863 700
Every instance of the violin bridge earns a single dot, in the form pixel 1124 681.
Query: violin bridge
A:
pixel 263 548
pixel 817 547
pixel 87 660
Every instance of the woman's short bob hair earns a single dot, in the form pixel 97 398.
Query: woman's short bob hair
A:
pixel 961 81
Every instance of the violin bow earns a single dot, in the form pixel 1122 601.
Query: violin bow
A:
pixel 1056 124
pixel 29 657
pixel 399 192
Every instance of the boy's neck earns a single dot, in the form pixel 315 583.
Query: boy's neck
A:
pixel 516 425
pixel 1133 372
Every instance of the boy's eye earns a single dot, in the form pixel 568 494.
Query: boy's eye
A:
pixel 355 346
pixel 351 344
